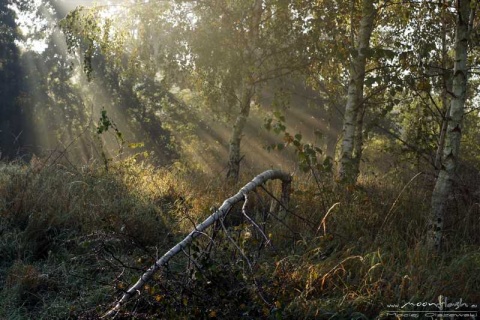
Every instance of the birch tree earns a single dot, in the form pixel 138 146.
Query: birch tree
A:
pixel 352 123
pixel 444 95
pixel 248 90
pixel 233 49
pixel 444 184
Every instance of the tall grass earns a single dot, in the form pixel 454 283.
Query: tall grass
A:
pixel 72 238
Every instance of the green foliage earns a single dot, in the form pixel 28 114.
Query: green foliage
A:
pixel 104 123
pixel 307 154
pixel 88 35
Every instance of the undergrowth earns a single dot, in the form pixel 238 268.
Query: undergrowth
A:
pixel 72 239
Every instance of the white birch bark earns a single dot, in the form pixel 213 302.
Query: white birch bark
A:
pixel 444 98
pixel 358 142
pixel 246 96
pixel 443 133
pixel 444 183
pixel 236 139
pixel 200 229
pixel 355 92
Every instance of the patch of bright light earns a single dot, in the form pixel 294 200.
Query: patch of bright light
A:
pixel 30 24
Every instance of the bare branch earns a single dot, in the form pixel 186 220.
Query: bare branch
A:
pixel 179 247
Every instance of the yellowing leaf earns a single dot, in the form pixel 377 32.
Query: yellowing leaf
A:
pixel 265 311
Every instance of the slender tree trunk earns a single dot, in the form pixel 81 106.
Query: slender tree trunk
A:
pixel 444 184
pixel 445 106
pixel 331 136
pixel 358 142
pixel 443 133
pixel 246 96
pixel 330 140
pixel 355 93
pixel 234 149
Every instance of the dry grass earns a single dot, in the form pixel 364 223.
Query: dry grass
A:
pixel 72 238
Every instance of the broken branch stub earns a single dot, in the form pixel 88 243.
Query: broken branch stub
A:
pixel 199 229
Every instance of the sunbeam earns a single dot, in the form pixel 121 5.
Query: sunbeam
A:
pixel 126 123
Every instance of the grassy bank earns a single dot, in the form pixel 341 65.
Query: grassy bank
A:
pixel 73 238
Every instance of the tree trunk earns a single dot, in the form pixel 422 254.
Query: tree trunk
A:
pixel 444 185
pixel 330 143
pixel 246 96
pixel 355 93
pixel 443 133
pixel 234 148
pixel 330 137
pixel 444 98
pixel 358 142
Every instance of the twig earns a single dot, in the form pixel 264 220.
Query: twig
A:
pixel 244 211
pixel 248 262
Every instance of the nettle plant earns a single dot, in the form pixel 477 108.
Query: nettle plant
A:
pixel 103 125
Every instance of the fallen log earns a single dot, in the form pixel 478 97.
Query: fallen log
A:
pixel 199 229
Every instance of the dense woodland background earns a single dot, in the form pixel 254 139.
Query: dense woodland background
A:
pixel 124 124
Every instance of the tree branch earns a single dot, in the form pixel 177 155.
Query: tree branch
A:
pixel 221 212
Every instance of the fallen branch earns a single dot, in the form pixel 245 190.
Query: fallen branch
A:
pixel 199 229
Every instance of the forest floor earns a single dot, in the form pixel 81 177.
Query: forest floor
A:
pixel 72 239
